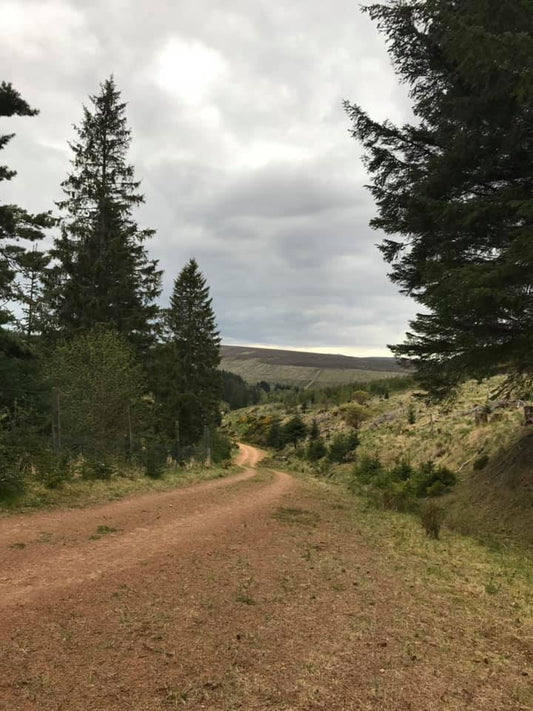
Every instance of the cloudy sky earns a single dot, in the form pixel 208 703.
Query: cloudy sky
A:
pixel 241 143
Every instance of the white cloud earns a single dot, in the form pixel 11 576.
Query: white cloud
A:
pixel 189 70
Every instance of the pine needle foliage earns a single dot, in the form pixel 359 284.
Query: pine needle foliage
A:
pixel 193 388
pixel 104 275
pixel 454 189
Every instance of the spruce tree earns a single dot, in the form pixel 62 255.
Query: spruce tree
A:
pixel 193 388
pixel 104 275
pixel 18 228
pixel 21 404
pixel 454 190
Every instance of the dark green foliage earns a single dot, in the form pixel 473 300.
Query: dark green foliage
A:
pixel 220 447
pixel 155 457
pixel 343 447
pixel 12 476
pixel 237 393
pixel 454 190
pixel 17 227
pixel 103 275
pixel 294 430
pixel 433 480
pixel 368 469
pixel 275 438
pixel 314 432
pixel 399 486
pixel 411 415
pixel 96 384
pixel 189 385
pixel 432 517
pixel 316 449
pixel 98 469
pixel 481 462
pixel 263 385
pixel 52 468
pixel 402 472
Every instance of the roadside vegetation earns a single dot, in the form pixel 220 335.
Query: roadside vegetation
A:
pixel 101 389
pixel 463 464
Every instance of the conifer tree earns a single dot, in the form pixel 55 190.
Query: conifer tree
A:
pixel 454 190
pixel 193 386
pixel 104 275
pixel 17 226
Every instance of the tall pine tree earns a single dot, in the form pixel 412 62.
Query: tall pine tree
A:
pixel 18 228
pixel 104 275
pixel 193 384
pixel 19 380
pixel 454 190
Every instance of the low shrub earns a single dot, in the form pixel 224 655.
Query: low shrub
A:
pixel 433 480
pixel 342 447
pixel 12 476
pixel 432 517
pixel 354 414
pixel 368 469
pixel 12 482
pixel 400 487
pixel 97 469
pixel 154 460
pixel 52 469
pixel 402 471
pixel 220 447
pixel 316 449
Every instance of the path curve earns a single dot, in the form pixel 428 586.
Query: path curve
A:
pixel 60 549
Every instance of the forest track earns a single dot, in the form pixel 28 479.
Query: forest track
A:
pixel 255 592
pixel 46 552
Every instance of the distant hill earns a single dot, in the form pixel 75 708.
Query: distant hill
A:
pixel 304 369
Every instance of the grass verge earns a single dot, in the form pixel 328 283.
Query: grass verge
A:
pixel 81 493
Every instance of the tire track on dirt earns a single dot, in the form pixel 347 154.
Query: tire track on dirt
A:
pixel 178 521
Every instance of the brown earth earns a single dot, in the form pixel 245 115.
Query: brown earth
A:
pixel 254 592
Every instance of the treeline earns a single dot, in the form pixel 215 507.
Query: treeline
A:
pixel 237 393
pixel 93 373
pixel 338 394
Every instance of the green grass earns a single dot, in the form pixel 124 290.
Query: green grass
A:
pixel 102 530
pixel 80 493
pixel 493 498
pixel 297 516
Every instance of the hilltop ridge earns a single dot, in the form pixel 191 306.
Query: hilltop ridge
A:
pixel 304 368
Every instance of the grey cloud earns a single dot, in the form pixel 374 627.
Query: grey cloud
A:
pixel 241 144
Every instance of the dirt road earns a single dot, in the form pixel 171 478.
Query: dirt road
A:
pixel 252 592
